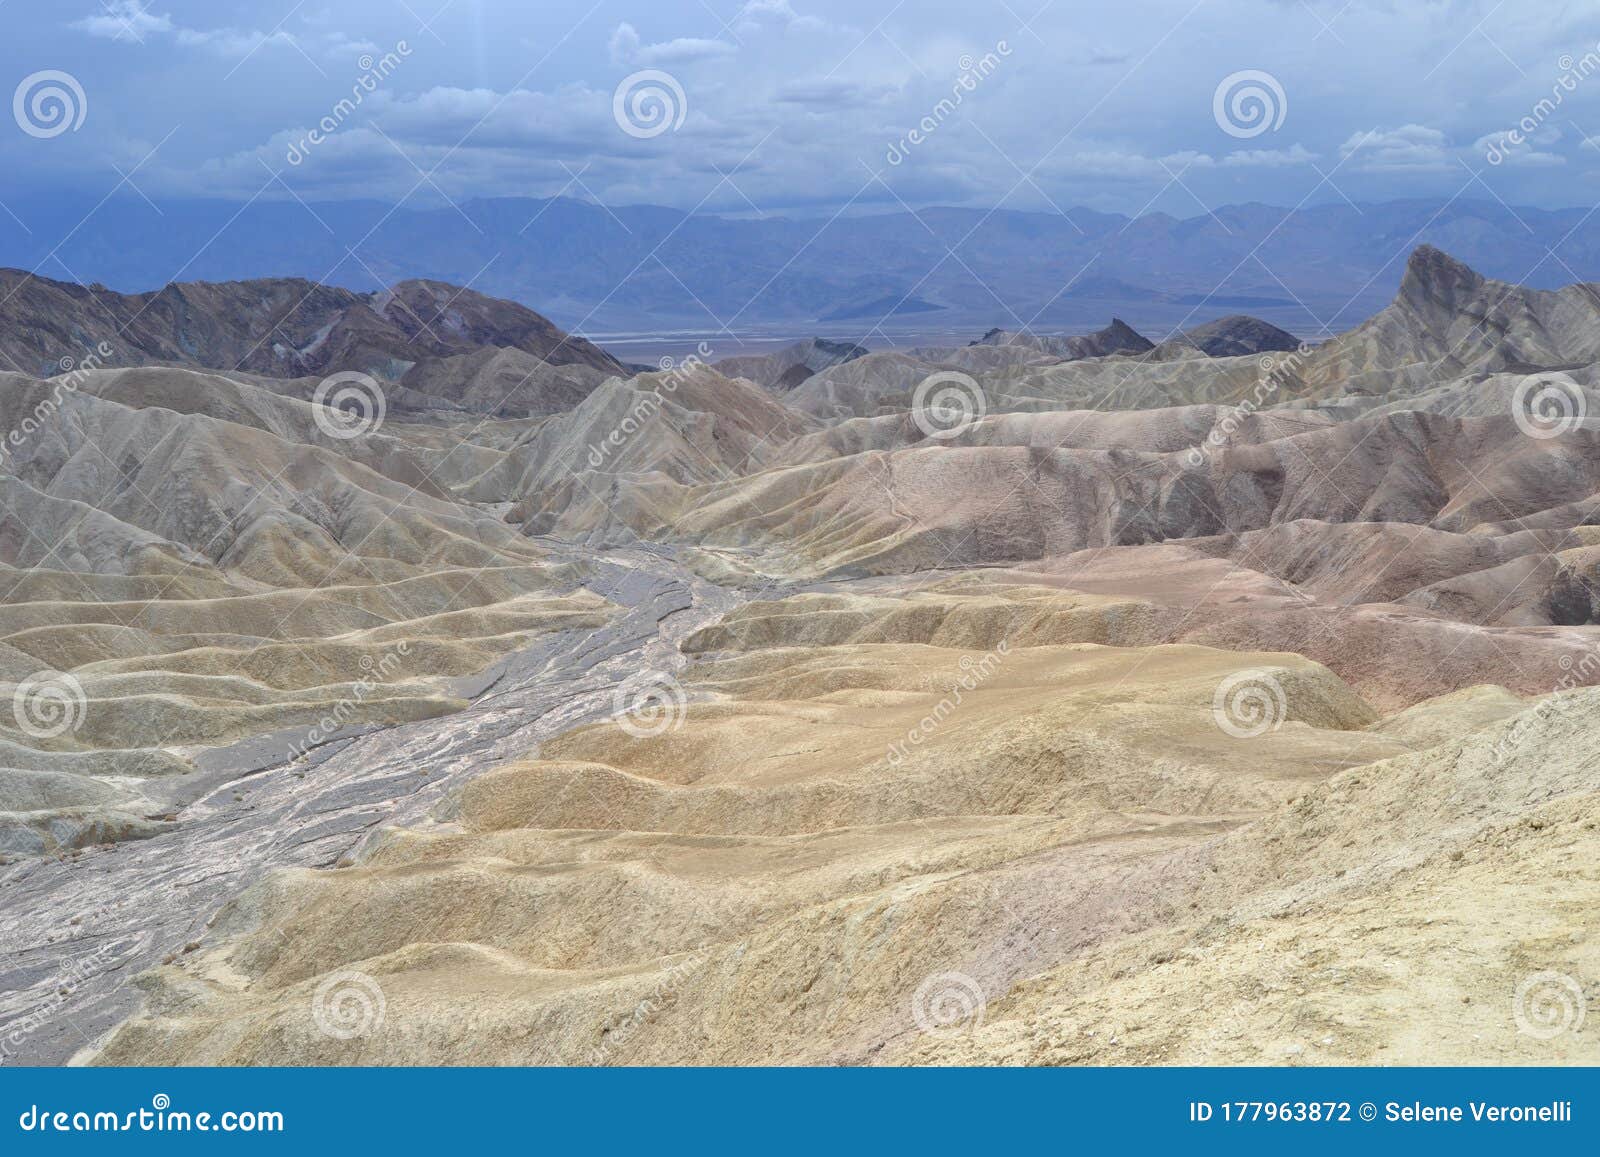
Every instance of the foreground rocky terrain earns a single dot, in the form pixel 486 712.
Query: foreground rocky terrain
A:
pixel 1090 699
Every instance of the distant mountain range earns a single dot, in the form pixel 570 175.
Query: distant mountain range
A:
pixel 602 271
pixel 280 327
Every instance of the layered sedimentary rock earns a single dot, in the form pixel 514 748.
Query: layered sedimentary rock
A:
pixel 1032 701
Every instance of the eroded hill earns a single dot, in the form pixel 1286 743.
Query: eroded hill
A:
pixel 1044 700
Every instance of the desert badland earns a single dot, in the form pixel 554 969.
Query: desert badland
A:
pixel 399 680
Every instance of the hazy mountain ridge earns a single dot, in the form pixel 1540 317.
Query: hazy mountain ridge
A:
pixel 625 266
pixel 277 327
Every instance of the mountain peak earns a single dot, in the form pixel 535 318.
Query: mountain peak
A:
pixel 1433 275
pixel 1234 336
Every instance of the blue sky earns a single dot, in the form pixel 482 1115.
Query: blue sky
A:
pixel 807 106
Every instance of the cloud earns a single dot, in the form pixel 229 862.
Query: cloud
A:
pixel 123 20
pixel 130 20
pixel 762 97
pixel 1295 154
pixel 758 14
pixel 1120 165
pixel 1511 148
pixel 831 93
pixel 230 41
pixel 1125 164
pixel 626 49
pixel 1409 148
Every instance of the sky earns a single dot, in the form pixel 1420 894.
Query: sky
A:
pixel 806 107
